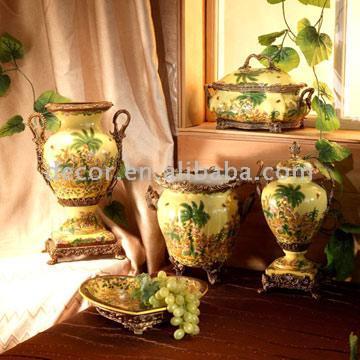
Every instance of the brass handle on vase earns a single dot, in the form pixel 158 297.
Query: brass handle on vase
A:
pixel 38 130
pixel 310 92
pixel 152 198
pixel 118 136
pixel 259 57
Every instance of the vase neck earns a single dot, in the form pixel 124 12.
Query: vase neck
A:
pixel 75 121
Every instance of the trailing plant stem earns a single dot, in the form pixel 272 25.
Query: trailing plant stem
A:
pixel 286 23
pixel 17 68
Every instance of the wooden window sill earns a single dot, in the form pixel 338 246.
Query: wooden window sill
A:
pixel 307 134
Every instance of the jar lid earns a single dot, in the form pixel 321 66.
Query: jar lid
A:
pixel 264 79
pixel 296 165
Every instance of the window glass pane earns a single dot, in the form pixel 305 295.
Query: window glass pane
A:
pixel 240 22
pixel 352 61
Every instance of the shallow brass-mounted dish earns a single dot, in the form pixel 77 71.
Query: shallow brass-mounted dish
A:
pixel 111 296
pixel 259 98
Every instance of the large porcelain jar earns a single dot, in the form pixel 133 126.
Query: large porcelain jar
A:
pixel 79 162
pixel 259 98
pixel 294 207
pixel 199 220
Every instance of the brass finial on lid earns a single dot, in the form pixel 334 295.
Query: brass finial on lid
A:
pixel 295 150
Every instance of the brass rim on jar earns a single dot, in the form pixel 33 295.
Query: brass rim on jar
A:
pixel 259 87
pixel 188 186
pixel 79 106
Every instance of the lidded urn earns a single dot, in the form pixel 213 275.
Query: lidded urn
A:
pixel 294 207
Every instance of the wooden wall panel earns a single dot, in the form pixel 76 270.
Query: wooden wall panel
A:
pixel 192 50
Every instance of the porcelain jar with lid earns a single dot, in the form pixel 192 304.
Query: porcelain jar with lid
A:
pixel 259 98
pixel 199 219
pixel 294 207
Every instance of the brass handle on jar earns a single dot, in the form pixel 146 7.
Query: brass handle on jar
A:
pixel 259 57
pixel 310 92
pixel 118 136
pixel 152 198
pixel 209 93
pixel 38 130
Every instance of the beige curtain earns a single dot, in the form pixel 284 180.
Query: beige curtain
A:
pixel 87 50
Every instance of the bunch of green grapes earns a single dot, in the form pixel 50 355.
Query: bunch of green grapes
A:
pixel 180 301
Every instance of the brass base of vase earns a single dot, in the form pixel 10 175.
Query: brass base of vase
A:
pixel 61 252
pixel 284 275
pixel 274 127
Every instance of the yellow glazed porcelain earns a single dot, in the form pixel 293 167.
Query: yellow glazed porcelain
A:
pixel 199 221
pixel 79 162
pixel 294 207
pixel 258 98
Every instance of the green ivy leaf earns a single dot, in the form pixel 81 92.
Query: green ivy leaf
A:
pixel 285 58
pixel 116 212
pixel 4 84
pixel 47 97
pixel 315 47
pixel 330 151
pixel 50 96
pixel 10 48
pixel 324 90
pixel 350 228
pixel 303 23
pixel 353 343
pixel 275 1
pixel 328 171
pixel 326 117
pixel 319 3
pixel 12 126
pixel 340 254
pixel 268 39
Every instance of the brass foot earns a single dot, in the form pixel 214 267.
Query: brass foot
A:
pixel 179 268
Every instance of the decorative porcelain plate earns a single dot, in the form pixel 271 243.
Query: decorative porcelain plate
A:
pixel 112 297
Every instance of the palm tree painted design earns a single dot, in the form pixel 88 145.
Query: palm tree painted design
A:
pixel 86 138
pixel 246 77
pixel 198 216
pixel 291 193
pixel 195 213
pixel 256 98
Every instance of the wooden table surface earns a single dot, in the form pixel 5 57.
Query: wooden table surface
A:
pixel 236 323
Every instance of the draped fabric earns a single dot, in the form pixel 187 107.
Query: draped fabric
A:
pixel 87 50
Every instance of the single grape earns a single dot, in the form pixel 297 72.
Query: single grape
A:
pixel 196 330
pixel 190 297
pixel 197 313
pixel 188 317
pixel 195 319
pixel 162 274
pixel 158 295
pixel 170 299
pixel 179 334
pixel 172 285
pixel 191 308
pixel 196 302
pixel 188 328
pixel 178 312
pixel 171 307
pixel 179 300
pixel 152 300
pixel 176 321
pixel 164 292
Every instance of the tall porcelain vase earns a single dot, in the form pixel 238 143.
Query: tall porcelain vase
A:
pixel 80 163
